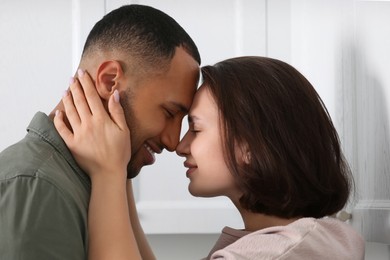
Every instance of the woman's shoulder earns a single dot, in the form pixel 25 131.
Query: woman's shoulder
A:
pixel 307 238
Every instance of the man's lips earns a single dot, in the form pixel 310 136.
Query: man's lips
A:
pixel 151 150
pixel 154 147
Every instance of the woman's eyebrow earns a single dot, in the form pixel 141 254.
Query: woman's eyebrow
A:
pixel 192 118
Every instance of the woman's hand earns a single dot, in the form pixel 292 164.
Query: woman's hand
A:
pixel 100 142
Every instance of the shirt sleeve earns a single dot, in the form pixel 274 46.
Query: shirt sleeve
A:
pixel 38 221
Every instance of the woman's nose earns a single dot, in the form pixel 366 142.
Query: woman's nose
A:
pixel 182 148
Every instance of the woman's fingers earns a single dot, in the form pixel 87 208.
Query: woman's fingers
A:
pixel 70 110
pixel 62 128
pixel 79 100
pixel 116 111
pixel 93 99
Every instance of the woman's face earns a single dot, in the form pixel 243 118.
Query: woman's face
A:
pixel 202 147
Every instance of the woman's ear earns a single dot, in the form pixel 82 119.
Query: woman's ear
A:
pixel 247 157
pixel 244 153
pixel 107 79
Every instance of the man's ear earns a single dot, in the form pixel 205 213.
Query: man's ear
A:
pixel 107 79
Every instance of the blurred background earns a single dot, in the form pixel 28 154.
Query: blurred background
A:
pixel 341 46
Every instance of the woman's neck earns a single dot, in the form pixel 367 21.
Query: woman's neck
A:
pixel 256 221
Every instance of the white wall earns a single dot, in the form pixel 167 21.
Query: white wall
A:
pixel 34 71
pixel 341 46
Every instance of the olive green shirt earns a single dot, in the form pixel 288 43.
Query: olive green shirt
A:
pixel 44 198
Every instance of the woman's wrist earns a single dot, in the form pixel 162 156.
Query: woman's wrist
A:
pixel 109 175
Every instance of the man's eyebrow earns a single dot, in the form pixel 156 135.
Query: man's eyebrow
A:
pixel 181 107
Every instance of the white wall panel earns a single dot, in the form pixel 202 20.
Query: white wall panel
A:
pixel 35 61
pixel 85 13
pixel 340 46
pixel 372 130
pixel 278 29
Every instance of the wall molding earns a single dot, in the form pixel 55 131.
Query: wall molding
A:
pixel 187 217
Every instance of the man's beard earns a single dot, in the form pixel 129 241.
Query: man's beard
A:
pixel 133 167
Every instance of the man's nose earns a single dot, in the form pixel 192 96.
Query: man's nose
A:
pixel 171 135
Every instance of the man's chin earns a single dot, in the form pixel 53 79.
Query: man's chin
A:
pixel 133 171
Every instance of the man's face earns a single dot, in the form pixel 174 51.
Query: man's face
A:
pixel 155 109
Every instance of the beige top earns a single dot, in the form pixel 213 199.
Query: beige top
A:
pixel 306 238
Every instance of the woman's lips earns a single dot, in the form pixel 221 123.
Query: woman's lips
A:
pixel 191 168
pixel 190 171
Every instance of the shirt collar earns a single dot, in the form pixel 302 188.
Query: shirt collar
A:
pixel 43 126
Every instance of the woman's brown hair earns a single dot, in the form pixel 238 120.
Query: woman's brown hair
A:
pixel 296 167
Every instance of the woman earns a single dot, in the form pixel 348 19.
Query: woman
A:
pixel 275 154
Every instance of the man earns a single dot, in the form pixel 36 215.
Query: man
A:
pixel 154 64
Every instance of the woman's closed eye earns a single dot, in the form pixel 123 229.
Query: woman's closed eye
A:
pixel 194 131
pixel 193 127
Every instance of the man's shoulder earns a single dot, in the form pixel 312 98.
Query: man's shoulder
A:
pixel 42 219
pixel 27 157
pixel 36 161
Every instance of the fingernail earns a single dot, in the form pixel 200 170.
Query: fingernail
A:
pixel 116 96
pixel 71 80
pixel 80 72
pixel 65 93
pixel 57 112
